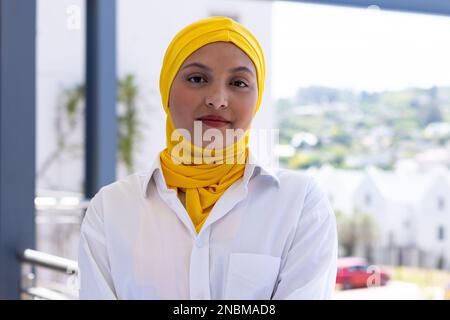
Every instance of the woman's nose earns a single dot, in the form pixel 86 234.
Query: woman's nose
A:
pixel 217 98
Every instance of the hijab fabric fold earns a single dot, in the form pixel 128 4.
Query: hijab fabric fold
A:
pixel 204 174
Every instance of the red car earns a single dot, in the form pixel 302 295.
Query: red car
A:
pixel 354 272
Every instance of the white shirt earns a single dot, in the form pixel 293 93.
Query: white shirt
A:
pixel 272 235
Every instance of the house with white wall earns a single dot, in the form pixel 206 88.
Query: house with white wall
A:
pixel 340 186
pixel 414 200
pixel 410 208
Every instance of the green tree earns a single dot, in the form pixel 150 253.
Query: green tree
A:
pixel 356 229
pixel 346 232
pixel 70 115
pixel 128 125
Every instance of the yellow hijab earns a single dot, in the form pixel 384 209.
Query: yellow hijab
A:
pixel 204 174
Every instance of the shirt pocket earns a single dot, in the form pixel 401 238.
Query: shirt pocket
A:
pixel 251 276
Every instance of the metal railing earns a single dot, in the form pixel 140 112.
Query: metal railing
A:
pixel 49 261
pixel 40 259
pixel 58 277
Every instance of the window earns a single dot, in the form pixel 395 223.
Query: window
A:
pixel 441 233
pixel 441 203
pixel 367 199
pixel 406 224
pixel 358 268
pixel 391 239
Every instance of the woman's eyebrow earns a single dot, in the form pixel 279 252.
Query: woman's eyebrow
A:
pixel 241 68
pixel 202 66
pixel 197 64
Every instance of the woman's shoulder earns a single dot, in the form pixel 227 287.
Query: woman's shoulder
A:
pixel 297 179
pixel 125 186
pixel 122 195
pixel 293 176
pixel 305 187
pixel 295 183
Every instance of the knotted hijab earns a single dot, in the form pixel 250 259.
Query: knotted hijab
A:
pixel 204 174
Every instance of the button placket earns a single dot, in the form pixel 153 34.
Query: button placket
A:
pixel 169 196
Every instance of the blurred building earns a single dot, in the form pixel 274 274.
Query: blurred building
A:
pixel 410 210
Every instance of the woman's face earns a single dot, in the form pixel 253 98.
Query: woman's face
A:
pixel 217 81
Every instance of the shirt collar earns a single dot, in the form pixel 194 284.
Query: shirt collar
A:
pixel 147 175
pixel 253 167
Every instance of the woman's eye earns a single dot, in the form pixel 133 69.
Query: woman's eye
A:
pixel 240 84
pixel 197 79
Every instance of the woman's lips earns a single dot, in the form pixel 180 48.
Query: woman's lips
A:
pixel 214 122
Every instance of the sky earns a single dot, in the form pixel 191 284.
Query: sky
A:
pixel 361 49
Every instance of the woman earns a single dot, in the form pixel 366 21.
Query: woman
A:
pixel 208 221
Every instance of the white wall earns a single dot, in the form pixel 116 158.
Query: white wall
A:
pixel 376 208
pixel 60 65
pixel 431 218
